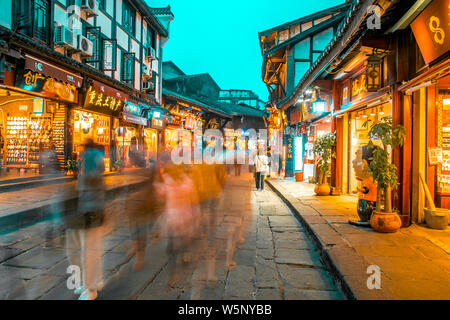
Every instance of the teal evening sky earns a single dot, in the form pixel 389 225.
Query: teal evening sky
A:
pixel 221 37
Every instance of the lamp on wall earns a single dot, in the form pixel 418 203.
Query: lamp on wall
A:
pixel 373 73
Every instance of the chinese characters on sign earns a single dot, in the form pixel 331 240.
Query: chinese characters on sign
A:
pixel 132 109
pixel 38 83
pixel 98 101
pixel 432 30
pixel 435 156
pixel 359 85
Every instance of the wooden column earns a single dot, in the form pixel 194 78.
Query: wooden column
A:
pixel 431 138
pixel 334 128
pixel 397 154
pixel 405 186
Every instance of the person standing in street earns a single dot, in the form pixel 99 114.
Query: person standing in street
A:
pixel 85 231
pixel 261 168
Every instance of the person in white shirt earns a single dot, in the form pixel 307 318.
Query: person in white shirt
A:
pixel 261 168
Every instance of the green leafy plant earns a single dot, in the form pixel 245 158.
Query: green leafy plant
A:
pixel 323 149
pixel 71 165
pixel 384 138
pixel 118 164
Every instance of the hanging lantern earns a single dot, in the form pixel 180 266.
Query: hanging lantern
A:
pixel 374 73
pixel 319 106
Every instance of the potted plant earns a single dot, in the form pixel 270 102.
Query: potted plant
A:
pixel 118 165
pixel 71 167
pixel 384 138
pixel 323 149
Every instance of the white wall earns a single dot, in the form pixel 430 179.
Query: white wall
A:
pixel 122 38
pixel 105 24
pixel 119 5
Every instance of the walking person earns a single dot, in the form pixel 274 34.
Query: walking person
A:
pixel 261 168
pixel 143 219
pixel 85 226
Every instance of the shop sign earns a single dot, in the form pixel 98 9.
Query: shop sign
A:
pixel 157 124
pixel 98 101
pixel 295 117
pixel 49 70
pixel 359 85
pixel 134 119
pixel 345 95
pixel 432 30
pixel 38 105
pixel 310 139
pixel 132 109
pixel 435 156
pixel 36 82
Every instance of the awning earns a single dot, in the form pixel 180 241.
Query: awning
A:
pixel 434 73
pixel 376 98
pixel 98 86
pixel 134 119
pixel 52 71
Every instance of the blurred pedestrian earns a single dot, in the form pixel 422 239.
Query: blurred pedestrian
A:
pixel 143 220
pixel 85 231
pixel 181 218
pixel 48 165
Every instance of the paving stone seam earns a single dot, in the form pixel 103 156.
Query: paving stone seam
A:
pixel 280 288
pixel 338 277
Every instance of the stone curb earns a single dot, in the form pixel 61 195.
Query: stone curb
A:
pixel 28 216
pixel 347 268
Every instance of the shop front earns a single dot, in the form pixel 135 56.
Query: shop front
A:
pixel 96 119
pixel 33 117
pixel 360 122
pixel 130 141
pixel 316 123
pixel 426 100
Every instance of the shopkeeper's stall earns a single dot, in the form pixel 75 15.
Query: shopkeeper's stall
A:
pixel 130 137
pixel 102 108
pixel 33 115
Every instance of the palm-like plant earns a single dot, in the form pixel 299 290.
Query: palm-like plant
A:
pixel 384 172
pixel 323 149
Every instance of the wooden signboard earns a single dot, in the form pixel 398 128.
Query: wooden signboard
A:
pixel 432 30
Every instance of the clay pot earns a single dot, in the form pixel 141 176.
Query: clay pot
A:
pixel 299 176
pixel 322 189
pixel 316 189
pixel 383 222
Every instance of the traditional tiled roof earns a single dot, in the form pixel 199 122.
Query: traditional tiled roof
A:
pixel 145 10
pixel 205 106
pixel 165 11
pixel 239 109
pixel 351 29
pixel 316 15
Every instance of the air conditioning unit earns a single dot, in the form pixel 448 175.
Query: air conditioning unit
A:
pixel 151 54
pixel 64 37
pixel 147 85
pixel 85 46
pixel 90 7
pixel 146 72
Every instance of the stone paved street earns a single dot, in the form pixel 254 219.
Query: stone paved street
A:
pixel 414 261
pixel 276 261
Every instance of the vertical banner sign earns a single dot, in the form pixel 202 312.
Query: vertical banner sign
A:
pixel 432 30
pixel 289 143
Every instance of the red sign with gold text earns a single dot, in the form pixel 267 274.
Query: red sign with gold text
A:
pixel 432 30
